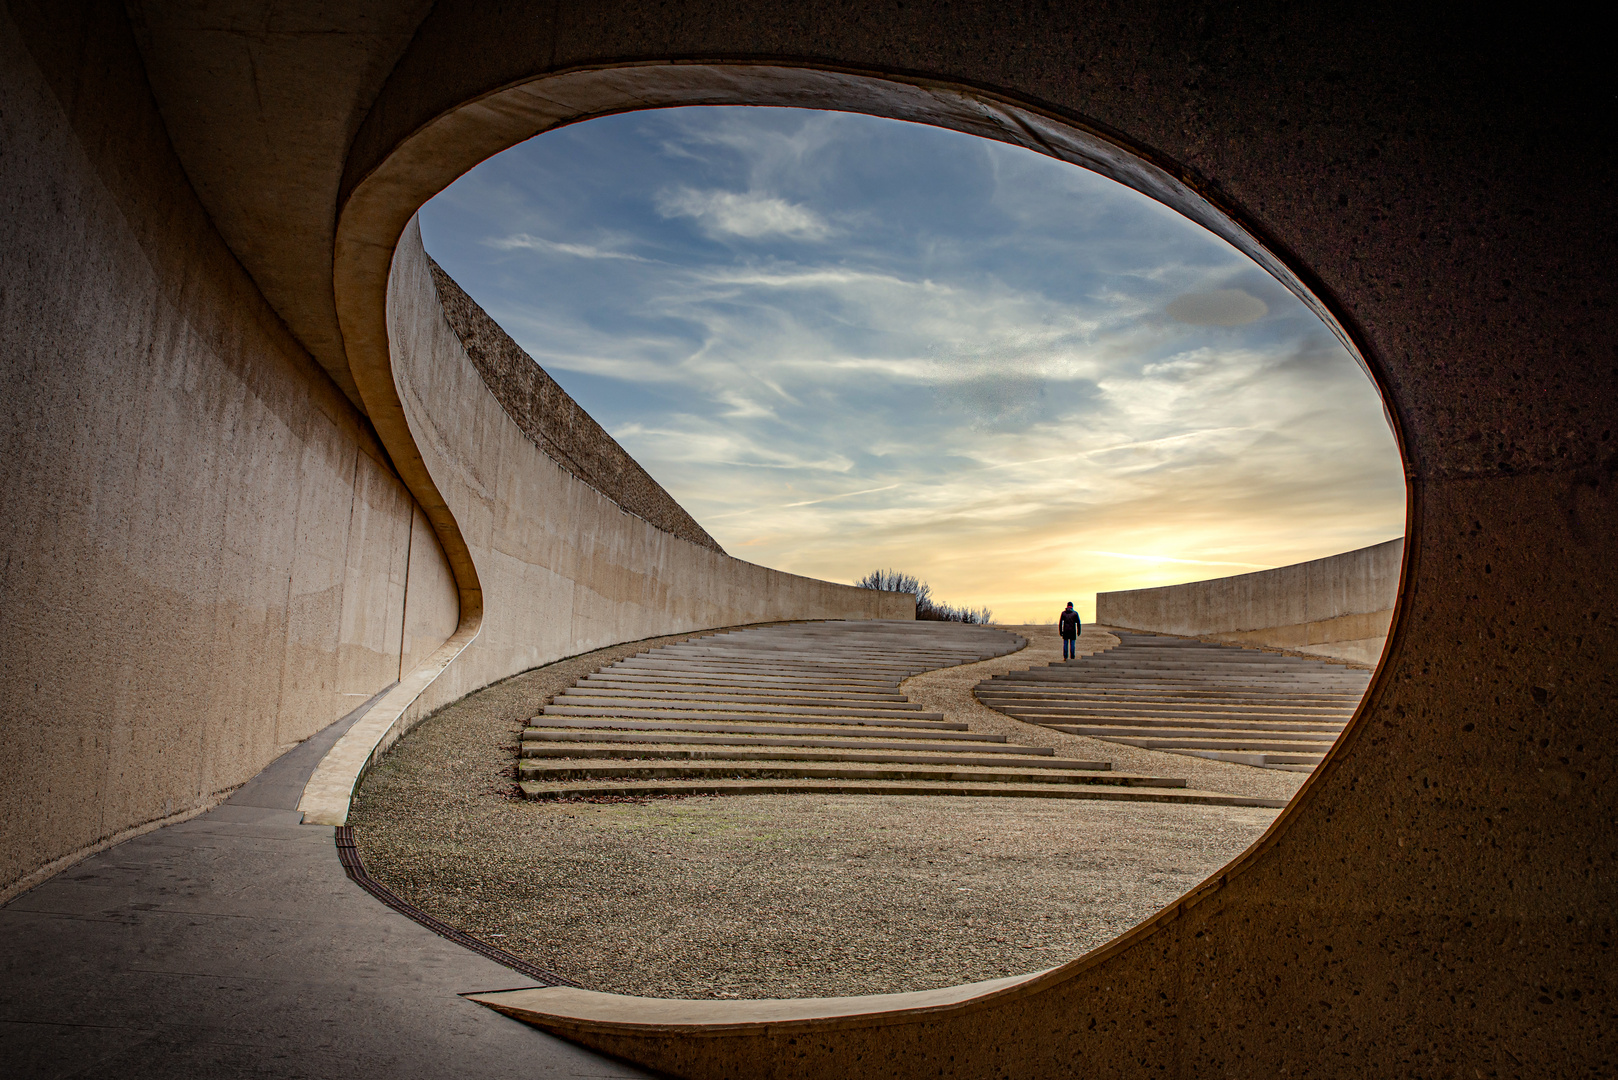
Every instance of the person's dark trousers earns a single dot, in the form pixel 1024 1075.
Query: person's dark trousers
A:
pixel 1070 648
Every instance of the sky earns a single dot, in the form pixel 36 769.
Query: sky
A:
pixel 846 343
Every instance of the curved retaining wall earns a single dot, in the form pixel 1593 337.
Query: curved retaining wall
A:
pixel 1438 899
pixel 206 554
pixel 558 567
pixel 554 422
pixel 562 567
pixel 1339 606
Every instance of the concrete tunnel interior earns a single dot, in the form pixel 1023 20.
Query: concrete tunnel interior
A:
pixel 1439 894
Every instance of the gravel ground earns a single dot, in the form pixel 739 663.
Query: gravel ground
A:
pixel 784 895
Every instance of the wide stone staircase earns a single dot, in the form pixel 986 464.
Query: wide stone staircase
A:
pixel 1190 697
pixel 805 707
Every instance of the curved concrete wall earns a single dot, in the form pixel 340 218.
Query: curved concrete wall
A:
pixel 554 422
pixel 1438 900
pixel 1340 606
pixel 1395 914
pixel 549 565
pixel 562 567
pixel 207 556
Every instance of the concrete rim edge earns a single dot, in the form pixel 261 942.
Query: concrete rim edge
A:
pixel 379 204
pixel 330 789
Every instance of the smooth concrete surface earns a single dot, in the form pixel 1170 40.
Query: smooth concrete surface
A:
pixel 206 553
pixel 234 945
pixel 1340 606
pixel 291 81
pixel 585 1009
pixel 1437 900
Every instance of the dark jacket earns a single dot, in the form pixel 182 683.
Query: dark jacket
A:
pixel 1069 623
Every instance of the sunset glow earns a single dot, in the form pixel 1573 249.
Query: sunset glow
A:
pixel 845 343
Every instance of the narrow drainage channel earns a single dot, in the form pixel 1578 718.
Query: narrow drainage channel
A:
pixel 349 855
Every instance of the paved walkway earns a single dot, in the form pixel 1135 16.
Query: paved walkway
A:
pixel 233 945
pixel 802 708
pixel 1183 696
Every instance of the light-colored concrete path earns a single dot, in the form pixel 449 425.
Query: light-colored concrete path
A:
pixel 233 945
pixel 1188 697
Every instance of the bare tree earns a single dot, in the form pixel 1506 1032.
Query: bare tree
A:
pixel 926 607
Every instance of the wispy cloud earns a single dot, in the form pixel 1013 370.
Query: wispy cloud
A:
pixel 522 241
pixel 744 213
pixel 1217 307
pixel 834 498
pixel 842 341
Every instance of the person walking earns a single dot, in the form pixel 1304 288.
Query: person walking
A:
pixel 1070 629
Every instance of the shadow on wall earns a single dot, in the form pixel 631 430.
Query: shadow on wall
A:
pixel 1338 607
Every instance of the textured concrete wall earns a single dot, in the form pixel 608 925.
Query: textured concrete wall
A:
pixel 1434 902
pixel 205 552
pixel 1439 899
pixel 207 555
pixel 555 422
pixel 1339 606
pixel 562 567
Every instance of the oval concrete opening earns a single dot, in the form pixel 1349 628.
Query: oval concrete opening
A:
pixel 605 737
pixel 237 510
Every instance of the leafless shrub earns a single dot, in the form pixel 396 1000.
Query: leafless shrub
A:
pixel 926 607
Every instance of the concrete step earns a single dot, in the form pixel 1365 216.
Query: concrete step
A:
pixel 1141 660
pixel 930 731
pixel 1286 702
pixel 1254 745
pixel 595 684
pixel 1146 709
pixel 558 771
pixel 870 681
pixel 795 709
pixel 1284 762
pixel 1170 715
pixel 1126 676
pixel 842 656
pixel 878 742
pixel 667 716
pixel 652 751
pixel 642 703
pixel 596 790
pixel 1210 735
pixel 1190 686
pixel 1222 702
pixel 1115 724
pixel 854 669
pixel 1164 703
pixel 749 682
